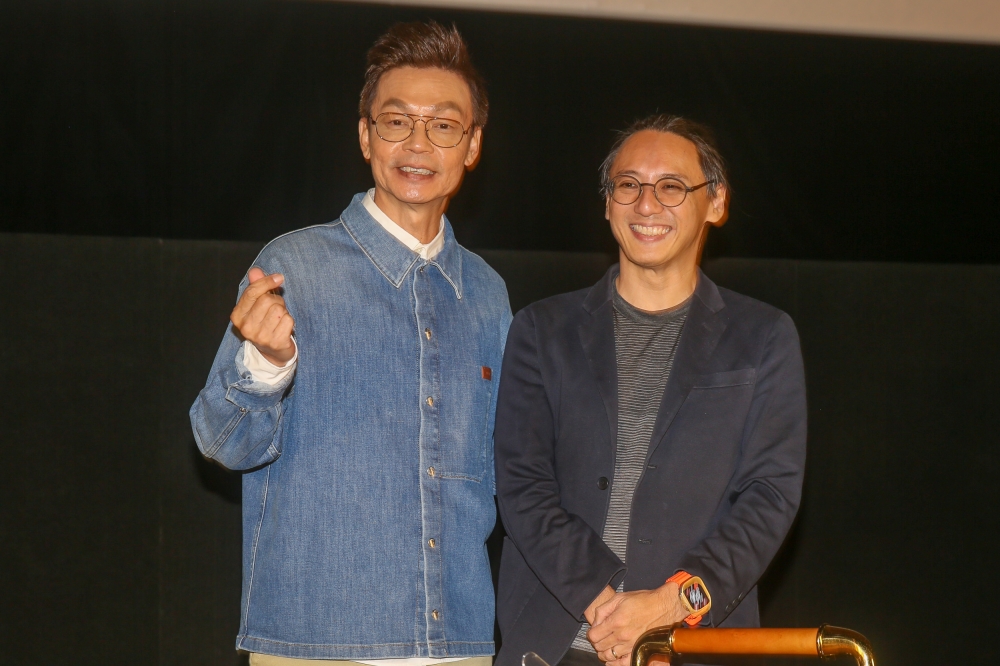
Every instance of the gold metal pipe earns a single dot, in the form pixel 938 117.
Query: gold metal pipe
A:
pixel 655 641
pixel 829 641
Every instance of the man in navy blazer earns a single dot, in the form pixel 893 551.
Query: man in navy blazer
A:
pixel 651 430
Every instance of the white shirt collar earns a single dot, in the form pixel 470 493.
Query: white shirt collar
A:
pixel 426 251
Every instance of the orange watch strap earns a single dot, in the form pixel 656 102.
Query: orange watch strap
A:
pixel 679 577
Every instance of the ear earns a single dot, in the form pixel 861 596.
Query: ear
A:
pixel 475 148
pixel 364 138
pixel 718 211
pixel 607 207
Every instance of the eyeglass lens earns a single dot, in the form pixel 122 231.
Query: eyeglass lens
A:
pixel 668 191
pixel 442 132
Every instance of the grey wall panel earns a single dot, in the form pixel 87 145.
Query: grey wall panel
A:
pixel 122 545
pixel 901 368
pixel 80 545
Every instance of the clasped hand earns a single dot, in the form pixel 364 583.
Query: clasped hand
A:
pixel 618 619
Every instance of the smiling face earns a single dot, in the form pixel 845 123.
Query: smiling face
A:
pixel 653 236
pixel 414 175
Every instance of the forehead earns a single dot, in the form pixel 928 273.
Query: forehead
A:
pixel 424 90
pixel 654 154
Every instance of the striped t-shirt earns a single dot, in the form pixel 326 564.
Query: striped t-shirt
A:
pixel 645 343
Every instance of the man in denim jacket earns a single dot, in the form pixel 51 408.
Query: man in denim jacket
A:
pixel 357 388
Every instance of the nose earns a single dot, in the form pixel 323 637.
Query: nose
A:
pixel 647 204
pixel 418 141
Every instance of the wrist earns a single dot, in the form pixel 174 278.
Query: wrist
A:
pixel 606 595
pixel 276 361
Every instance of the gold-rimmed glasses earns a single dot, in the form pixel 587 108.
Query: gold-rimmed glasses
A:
pixel 442 132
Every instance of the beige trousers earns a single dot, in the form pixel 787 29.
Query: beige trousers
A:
pixel 257 659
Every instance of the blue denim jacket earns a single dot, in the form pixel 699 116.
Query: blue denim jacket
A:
pixel 369 489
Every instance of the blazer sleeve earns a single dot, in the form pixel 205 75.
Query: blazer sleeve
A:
pixel 767 486
pixel 563 551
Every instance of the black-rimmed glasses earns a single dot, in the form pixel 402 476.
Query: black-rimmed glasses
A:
pixel 670 192
pixel 396 127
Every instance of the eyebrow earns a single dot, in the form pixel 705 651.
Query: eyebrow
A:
pixel 635 174
pixel 435 108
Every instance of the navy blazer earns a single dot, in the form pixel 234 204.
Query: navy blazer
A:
pixel 723 474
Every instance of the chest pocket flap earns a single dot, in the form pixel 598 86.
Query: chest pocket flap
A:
pixel 724 379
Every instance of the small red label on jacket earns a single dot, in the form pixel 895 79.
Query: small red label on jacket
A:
pixel 487 373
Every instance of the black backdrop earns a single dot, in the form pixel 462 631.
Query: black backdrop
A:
pixel 121 545
pixel 236 119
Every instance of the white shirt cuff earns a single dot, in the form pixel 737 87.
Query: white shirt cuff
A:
pixel 263 370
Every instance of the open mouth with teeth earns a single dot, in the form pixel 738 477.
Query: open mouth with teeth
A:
pixel 649 231
pixel 416 171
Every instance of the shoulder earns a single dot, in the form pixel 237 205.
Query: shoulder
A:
pixel 555 312
pixel 302 244
pixel 476 270
pixel 756 319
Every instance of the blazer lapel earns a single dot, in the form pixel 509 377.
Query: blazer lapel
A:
pixel 597 335
pixel 699 338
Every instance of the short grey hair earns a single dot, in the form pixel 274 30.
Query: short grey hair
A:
pixel 712 164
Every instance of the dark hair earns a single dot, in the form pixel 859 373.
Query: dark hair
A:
pixel 712 164
pixel 420 44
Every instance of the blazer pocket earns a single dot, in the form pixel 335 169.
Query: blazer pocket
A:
pixel 724 379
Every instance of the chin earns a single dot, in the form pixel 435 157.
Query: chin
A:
pixel 411 195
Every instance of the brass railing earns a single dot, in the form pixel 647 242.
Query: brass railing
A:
pixel 826 641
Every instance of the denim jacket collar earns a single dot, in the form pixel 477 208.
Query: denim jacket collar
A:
pixel 392 258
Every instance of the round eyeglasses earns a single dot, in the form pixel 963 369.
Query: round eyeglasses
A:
pixel 670 192
pixel 396 127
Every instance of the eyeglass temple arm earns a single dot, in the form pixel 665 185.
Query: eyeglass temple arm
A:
pixel 826 641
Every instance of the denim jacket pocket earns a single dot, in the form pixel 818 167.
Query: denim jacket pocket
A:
pixel 468 460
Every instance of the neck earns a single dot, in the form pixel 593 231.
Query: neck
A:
pixel 422 221
pixel 657 288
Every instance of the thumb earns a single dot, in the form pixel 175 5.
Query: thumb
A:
pixel 255 274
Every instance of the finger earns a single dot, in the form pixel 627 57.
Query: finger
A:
pixel 598 634
pixel 255 290
pixel 606 643
pixel 283 332
pixel 250 321
pixel 258 311
pixel 269 324
pixel 255 274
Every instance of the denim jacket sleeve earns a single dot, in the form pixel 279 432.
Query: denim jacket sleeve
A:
pixel 236 420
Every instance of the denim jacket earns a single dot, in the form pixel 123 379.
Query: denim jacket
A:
pixel 368 492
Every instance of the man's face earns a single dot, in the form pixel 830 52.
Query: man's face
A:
pixel 415 171
pixel 649 234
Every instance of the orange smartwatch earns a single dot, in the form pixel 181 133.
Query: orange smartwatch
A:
pixel 694 596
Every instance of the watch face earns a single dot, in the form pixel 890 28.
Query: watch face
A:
pixel 695 594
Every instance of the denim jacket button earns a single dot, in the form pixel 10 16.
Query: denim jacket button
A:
pixel 432 543
pixel 435 614
pixel 431 471
pixel 430 402
pixel 427 332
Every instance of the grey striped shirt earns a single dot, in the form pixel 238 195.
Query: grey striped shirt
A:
pixel 645 343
